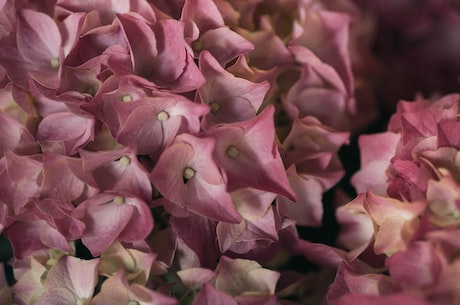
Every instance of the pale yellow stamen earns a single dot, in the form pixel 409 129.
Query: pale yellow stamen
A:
pixel 214 107
pixel 125 160
pixel 162 116
pixel 127 98
pixel 55 62
pixel 132 302
pixel 81 301
pixel 119 200
pixel 232 151
pixel 188 173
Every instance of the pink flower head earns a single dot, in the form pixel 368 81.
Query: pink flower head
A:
pixel 45 224
pixel 118 170
pixel 231 99
pixel 249 154
pixel 319 92
pixel 14 136
pixel 109 217
pixel 64 179
pixel 19 172
pixel 37 48
pixel 395 222
pixel 187 175
pixel 117 291
pixel 308 209
pixel 159 54
pixel 137 264
pixel 313 148
pixel 205 30
pixel 70 281
pixel 239 276
pixel 311 32
pixel 418 267
pixel 151 123
pixel 249 234
pixel 377 150
pixel 265 39
pixel 65 132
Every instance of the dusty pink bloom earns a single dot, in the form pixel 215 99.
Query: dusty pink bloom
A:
pixel 356 278
pixel 237 277
pixel 312 147
pixel 248 234
pixel 205 30
pixel 377 150
pixel 394 222
pixel 263 39
pixel 117 291
pixel 187 175
pixel 312 28
pixel 137 264
pixel 109 217
pixel 64 179
pixel 118 170
pixel 44 224
pixel 357 227
pixel 29 284
pixel 230 98
pixel 209 295
pixel 196 241
pixel 159 54
pixel 14 136
pixel 150 123
pixel 249 154
pixel 308 209
pixel 70 280
pixel 34 48
pixel 19 172
pixel 418 267
pixel 319 92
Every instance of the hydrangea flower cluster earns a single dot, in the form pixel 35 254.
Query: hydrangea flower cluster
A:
pixel 164 152
pixel 172 152
pixel 402 230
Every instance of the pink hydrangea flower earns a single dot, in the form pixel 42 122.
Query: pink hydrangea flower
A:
pixel 187 175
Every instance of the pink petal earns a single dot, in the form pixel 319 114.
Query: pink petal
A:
pixel 39 39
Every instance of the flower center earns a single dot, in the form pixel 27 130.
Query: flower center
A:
pixel 214 107
pixel 232 151
pixel 54 63
pixel 81 301
pixel 132 302
pixel 125 160
pixel 162 116
pixel 188 173
pixel 118 200
pixel 127 98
